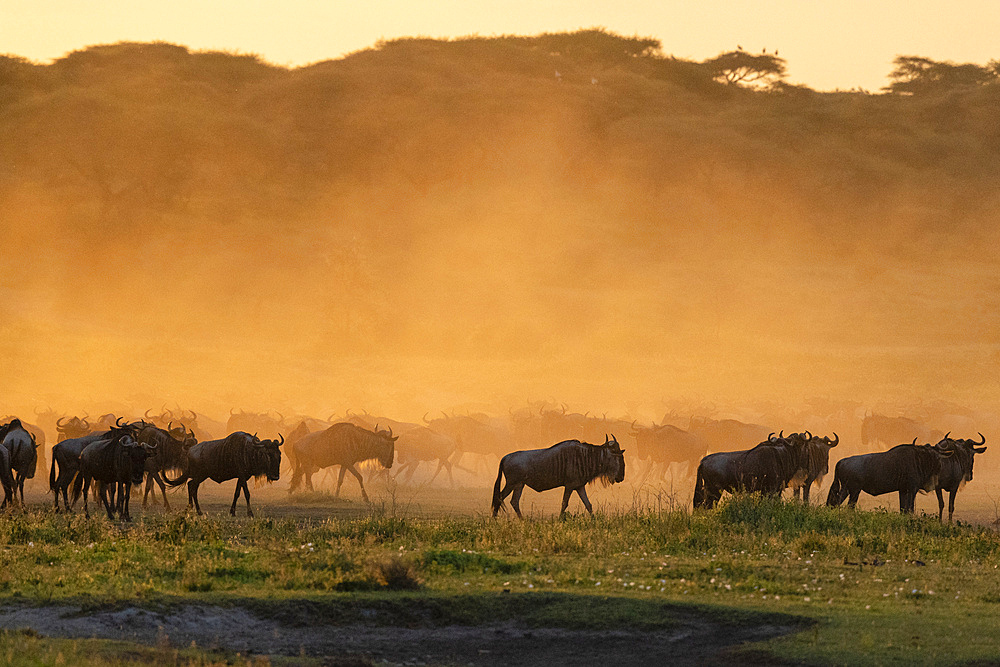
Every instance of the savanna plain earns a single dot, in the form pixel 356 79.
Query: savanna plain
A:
pixel 570 223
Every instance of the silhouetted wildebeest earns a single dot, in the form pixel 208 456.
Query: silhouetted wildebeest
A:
pixel 119 462
pixel 169 454
pixel 66 461
pixel 259 423
pixel 665 444
pixel 37 434
pixel 956 469
pixel 6 478
pixel 768 469
pixel 724 434
pixel 238 456
pixel 69 428
pixel 342 444
pixel 570 464
pixel 877 428
pixel 819 464
pixel 22 450
pixel 425 445
pixel 904 469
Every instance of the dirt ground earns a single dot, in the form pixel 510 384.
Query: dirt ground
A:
pixel 694 640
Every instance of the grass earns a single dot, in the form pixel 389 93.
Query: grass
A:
pixel 875 587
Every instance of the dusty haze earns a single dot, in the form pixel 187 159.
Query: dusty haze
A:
pixel 426 229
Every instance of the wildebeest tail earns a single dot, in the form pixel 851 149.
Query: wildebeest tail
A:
pixel 77 487
pixel 175 482
pixel 833 498
pixel 699 490
pixel 497 501
pixel 52 476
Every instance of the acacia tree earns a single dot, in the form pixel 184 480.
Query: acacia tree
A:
pixel 915 74
pixel 743 68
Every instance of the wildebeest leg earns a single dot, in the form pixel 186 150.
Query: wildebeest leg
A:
pixel 246 494
pixel 357 474
pixel 567 492
pixel 163 489
pixel 86 490
pixel 852 499
pixel 193 495
pixel 515 499
pixel 236 496
pixel 582 492
pixel 940 498
pixel 905 506
pixel 128 497
pixel 951 503
pixel 20 486
pixel 104 492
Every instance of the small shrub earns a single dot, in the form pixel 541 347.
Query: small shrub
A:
pixel 395 574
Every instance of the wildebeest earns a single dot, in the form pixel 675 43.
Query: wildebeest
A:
pixel 819 464
pixel 170 444
pixel 724 434
pixel 665 444
pixel 876 428
pixel 342 444
pixel 66 461
pixel 6 478
pixel 238 456
pixel 904 469
pixel 767 468
pixel 570 464
pixel 256 422
pixel 956 469
pixel 424 445
pixel 69 428
pixel 119 462
pixel 22 450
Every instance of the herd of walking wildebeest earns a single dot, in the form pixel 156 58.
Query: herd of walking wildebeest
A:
pixel 113 453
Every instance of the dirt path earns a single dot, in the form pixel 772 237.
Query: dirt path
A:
pixel 695 639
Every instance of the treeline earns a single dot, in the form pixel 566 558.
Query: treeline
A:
pixel 128 133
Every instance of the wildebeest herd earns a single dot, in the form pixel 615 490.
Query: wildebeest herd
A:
pixel 113 454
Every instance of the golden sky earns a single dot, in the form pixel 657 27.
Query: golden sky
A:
pixel 828 45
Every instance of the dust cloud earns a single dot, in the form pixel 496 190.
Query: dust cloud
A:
pixel 479 243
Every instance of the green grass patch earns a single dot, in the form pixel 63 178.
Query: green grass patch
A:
pixel 853 574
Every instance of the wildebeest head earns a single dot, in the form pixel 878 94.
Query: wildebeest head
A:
pixel 270 455
pixel 137 454
pixel 965 451
pixel 72 427
pixel 614 460
pixel 386 444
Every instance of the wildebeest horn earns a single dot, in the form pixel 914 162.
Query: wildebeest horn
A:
pixel 118 422
pixel 59 423
pixel 809 435
pixel 85 422
pixel 836 440
pixel 781 434
pixel 170 425
pixel 634 429
pixel 946 436
pixel 914 441
pixel 982 440
pixel 425 418
pixel 390 431
pixel 146 415
pixel 194 415
pixel 770 436
pixel 606 441
pixel 282 440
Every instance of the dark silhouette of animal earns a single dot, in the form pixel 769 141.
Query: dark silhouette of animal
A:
pixel 66 462
pixel 342 444
pixel 69 428
pixel 424 445
pixel 819 464
pixel 956 469
pixel 876 429
pixel 238 456
pixel 170 452
pixel 904 469
pixel 116 463
pixel 666 444
pixel 22 453
pixel 256 422
pixel 768 469
pixel 570 464
pixel 726 434
pixel 6 478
